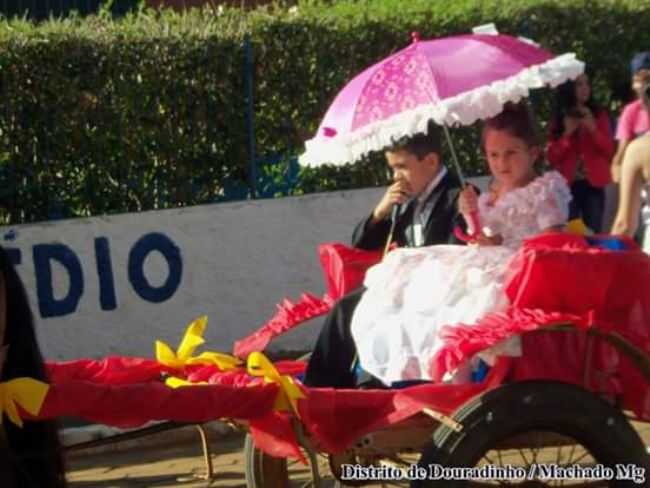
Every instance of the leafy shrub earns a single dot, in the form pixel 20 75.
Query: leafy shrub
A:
pixel 104 115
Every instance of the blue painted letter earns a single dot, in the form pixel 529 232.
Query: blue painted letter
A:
pixel 105 274
pixel 172 254
pixel 47 304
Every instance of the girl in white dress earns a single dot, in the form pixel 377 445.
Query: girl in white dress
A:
pixel 413 293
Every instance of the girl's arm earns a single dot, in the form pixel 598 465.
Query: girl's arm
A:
pixel 600 134
pixel 629 201
pixel 617 160
pixel 558 149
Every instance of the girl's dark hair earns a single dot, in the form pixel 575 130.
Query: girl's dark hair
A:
pixel 565 103
pixel 516 119
pixel 419 144
pixel 32 454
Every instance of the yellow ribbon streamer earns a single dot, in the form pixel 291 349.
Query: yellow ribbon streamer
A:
pixel 26 392
pixel 259 365
pixel 192 339
pixel 175 382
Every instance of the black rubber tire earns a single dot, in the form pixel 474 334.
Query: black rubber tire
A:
pixel 537 405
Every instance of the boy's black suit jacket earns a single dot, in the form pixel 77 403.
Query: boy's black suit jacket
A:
pixel 443 216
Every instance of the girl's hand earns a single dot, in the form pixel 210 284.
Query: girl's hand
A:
pixel 468 201
pixel 571 124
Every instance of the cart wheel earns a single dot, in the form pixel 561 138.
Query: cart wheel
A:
pixel 264 471
pixel 528 424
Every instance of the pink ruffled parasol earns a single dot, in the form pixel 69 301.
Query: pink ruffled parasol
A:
pixel 452 81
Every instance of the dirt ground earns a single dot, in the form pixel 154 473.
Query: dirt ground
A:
pixel 161 465
pixel 177 461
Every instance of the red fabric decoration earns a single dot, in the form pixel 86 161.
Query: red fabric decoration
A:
pixel 288 316
pixel 559 278
pixel 114 370
pixel 132 405
pixel 337 418
pixel 343 268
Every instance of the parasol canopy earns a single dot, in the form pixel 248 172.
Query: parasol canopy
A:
pixel 452 81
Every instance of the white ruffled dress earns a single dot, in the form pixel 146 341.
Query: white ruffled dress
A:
pixel 414 292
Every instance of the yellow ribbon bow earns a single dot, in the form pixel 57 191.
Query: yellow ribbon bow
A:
pixel 192 339
pixel 26 392
pixel 578 227
pixel 259 365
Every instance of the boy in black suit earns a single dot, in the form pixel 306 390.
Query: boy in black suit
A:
pixel 427 197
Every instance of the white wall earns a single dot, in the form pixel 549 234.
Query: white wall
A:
pixel 238 260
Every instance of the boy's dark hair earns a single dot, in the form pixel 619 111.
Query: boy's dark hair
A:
pixel 419 144
pixel 516 119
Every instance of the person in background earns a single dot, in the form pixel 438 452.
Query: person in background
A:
pixel 580 147
pixel 635 183
pixel 634 120
pixel 31 455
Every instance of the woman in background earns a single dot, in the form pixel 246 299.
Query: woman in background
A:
pixel 580 147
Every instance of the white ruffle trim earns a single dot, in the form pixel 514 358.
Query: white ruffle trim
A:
pixel 464 109
pixel 526 201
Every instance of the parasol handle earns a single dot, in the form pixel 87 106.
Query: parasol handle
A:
pixel 394 212
pixel 454 158
pixel 474 222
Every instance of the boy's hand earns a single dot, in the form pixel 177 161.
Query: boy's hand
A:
pixel 398 192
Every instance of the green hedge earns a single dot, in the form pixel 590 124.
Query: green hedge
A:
pixel 102 115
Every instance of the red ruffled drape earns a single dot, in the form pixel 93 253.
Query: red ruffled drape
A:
pixel 561 279
pixel 343 268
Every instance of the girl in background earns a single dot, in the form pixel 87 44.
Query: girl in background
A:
pixel 580 147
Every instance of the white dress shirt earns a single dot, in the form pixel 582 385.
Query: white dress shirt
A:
pixel 418 214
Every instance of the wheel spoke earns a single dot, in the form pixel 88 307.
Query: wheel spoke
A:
pixel 570 461
pixel 536 446
pixel 559 455
pixel 499 457
pixel 485 456
pixel 521 453
pixel 585 454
